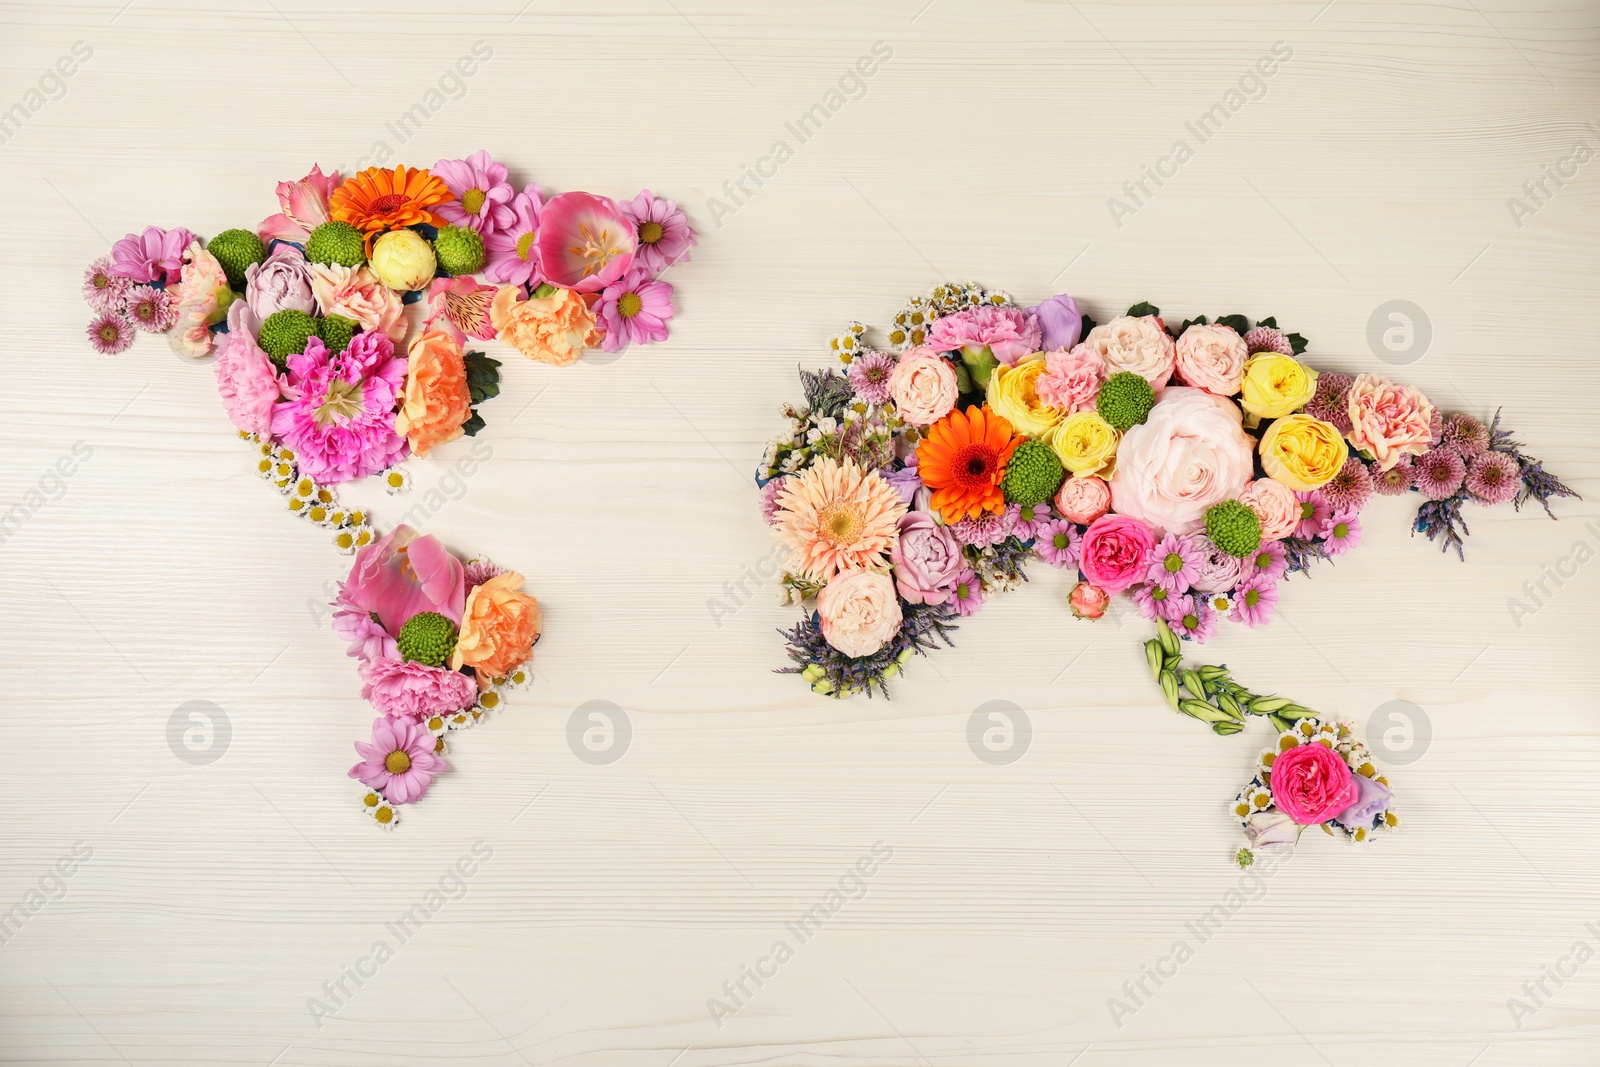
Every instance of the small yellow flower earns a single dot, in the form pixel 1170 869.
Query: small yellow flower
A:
pixel 1086 444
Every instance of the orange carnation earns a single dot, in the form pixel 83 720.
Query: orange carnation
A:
pixel 963 458
pixel 498 628
pixel 377 200
pixel 436 400
pixel 554 328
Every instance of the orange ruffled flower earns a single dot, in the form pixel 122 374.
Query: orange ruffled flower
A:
pixel 498 628
pixel 963 458
pixel 377 200
pixel 437 399
pixel 554 328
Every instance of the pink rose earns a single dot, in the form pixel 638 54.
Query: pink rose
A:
pixel 1083 498
pixel 1009 333
pixel 1139 345
pixel 1087 601
pixel 1072 378
pixel 1212 358
pixel 246 379
pixel 859 612
pixel 927 560
pixel 1116 552
pixel 1275 505
pixel 406 689
pixel 1387 420
pixel 356 293
pixel 1189 454
pixel 1311 784
pixel 923 385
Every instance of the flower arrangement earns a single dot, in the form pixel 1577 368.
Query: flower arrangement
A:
pixel 1193 470
pixel 318 361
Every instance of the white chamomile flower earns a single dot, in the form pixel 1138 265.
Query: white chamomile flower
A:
pixel 297 505
pixel 379 810
pixel 520 678
pixel 305 488
pixel 318 513
pixel 1221 603
pixel 436 725
pixel 345 540
pixel 489 700
pixel 1260 798
pixel 265 467
pixel 396 480
pixel 460 720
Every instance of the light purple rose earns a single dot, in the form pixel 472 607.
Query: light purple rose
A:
pixel 1219 572
pixel 1060 322
pixel 1268 830
pixel 281 283
pixel 927 560
pixel 1372 800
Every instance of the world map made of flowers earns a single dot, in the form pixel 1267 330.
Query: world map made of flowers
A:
pixel 1193 470
pixel 324 372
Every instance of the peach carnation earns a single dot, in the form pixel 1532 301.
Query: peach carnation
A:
pixel 498 628
pixel 356 293
pixel 436 400
pixel 1387 420
pixel 554 328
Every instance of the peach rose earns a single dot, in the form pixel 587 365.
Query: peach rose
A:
pixel 1212 358
pixel 554 328
pixel 923 385
pixel 859 612
pixel 1083 498
pixel 356 293
pixel 1387 420
pixel 436 400
pixel 498 627
pixel 1139 345
pixel 1274 504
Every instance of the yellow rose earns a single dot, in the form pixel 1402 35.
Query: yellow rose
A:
pixel 1012 396
pixel 1275 385
pixel 1302 452
pixel 1086 444
pixel 403 260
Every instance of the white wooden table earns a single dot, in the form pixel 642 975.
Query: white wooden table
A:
pixel 210 905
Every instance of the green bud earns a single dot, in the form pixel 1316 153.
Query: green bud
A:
pixel 1192 682
pixel 1169 688
pixel 1225 727
pixel 1267 705
pixel 1153 656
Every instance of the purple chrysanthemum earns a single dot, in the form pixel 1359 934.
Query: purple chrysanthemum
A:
pixel 104 290
pixel 1438 473
pixel 1255 601
pixel 1494 478
pixel 1270 559
pixel 769 499
pixel 1056 542
pixel 1028 519
pixel 1198 622
pixel 1175 563
pixel 1466 435
pixel 869 376
pixel 1341 532
pixel 1151 600
pixel 1351 488
pixel 1314 511
pixel 1331 403
pixel 110 333
pixel 664 234
pixel 968 593
pixel 151 309
pixel 478 571
pixel 1395 480
pixel 985 530
pixel 634 310
pixel 1268 339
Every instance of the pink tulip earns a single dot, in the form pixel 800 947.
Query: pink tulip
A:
pixel 401 575
pixel 584 241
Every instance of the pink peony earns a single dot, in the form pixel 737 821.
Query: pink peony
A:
pixel 154 255
pixel 1218 572
pixel 1189 454
pixel 339 415
pixel 200 301
pixel 858 612
pixel 305 207
pixel 923 385
pixel 585 242
pixel 1274 504
pixel 405 689
pixel 1211 358
pixel 246 379
pixel 1311 784
pixel 482 193
pixel 1387 420
pixel 1083 498
pixel 1072 379
pixel 1139 345
pixel 399 762
pixel 401 575
pixel 927 560
pixel 1008 333
pixel 513 257
pixel 1088 601
pixel 356 293
pixel 1116 552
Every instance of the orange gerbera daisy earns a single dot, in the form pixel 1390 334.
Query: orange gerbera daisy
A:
pixel 962 459
pixel 377 200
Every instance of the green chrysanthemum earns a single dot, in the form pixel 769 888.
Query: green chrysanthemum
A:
pixel 427 637
pixel 336 332
pixel 236 250
pixel 1233 528
pixel 1125 400
pixel 459 249
pixel 337 242
pixel 285 333
pixel 1033 475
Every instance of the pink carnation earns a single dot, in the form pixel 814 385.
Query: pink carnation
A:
pixel 410 690
pixel 1009 333
pixel 246 379
pixel 1072 378
pixel 1387 420
pixel 339 417
pixel 1116 552
pixel 200 301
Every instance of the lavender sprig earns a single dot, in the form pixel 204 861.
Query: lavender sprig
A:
pixel 828 393
pixel 1440 520
pixel 832 673
pixel 1537 483
pixel 1300 553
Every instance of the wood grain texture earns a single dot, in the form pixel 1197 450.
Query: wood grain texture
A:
pixel 618 899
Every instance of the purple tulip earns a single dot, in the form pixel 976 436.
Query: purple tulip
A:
pixel 1060 322
pixel 1372 800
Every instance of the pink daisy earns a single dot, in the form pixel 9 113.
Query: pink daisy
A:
pixel 1270 559
pixel 968 593
pixel 665 235
pixel 869 376
pixel 1175 563
pixel 1255 601
pixel 483 195
pixel 634 310
pixel 1056 542
pixel 1494 478
pixel 110 333
pixel 1341 532
pixel 104 290
pixel 1027 519
pixel 513 253
pixel 1314 511
pixel 399 761
pixel 1197 622
pixel 1151 600
pixel 151 309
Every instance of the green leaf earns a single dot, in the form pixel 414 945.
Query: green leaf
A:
pixel 1088 324
pixel 1143 308
pixel 1297 343
pixel 1240 324
pixel 1271 322
pixel 483 376
pixel 1200 321
pixel 473 424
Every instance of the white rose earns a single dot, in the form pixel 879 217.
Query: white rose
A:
pixel 1139 345
pixel 1189 454
pixel 923 386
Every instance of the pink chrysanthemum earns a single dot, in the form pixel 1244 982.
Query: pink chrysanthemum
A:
pixel 1466 435
pixel 1056 542
pixel 103 289
pixel 1255 600
pixel 1028 519
pixel 838 517
pixel 1197 621
pixel 1341 532
pixel 968 593
pixel 1270 559
pixel 482 193
pixel 634 310
pixel 1351 488
pixel 1175 563
pixel 476 572
pixel 869 376
pixel 339 417
pixel 399 761
pixel 768 498
pixel 981 532
pixel 665 235
pixel 1331 403
pixel 513 251
pixel 1152 600
pixel 1438 473
pixel 151 309
pixel 1395 480
pixel 1494 478
pixel 1314 511
pixel 110 333
pixel 1268 339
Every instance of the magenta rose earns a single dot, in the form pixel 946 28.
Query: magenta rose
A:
pixel 1116 552
pixel 1311 784
pixel 927 560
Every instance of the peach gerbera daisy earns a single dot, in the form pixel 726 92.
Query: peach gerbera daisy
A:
pixel 963 459
pixel 377 200
pixel 838 517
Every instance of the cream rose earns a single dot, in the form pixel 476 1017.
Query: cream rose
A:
pixel 1014 395
pixel 1189 454
pixel 1140 345
pixel 1212 358
pixel 923 385
pixel 859 612
pixel 356 293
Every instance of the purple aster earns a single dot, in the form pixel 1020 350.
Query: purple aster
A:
pixel 769 499
pixel 1218 572
pixel 1467 436
pixel 1351 488
pixel 104 290
pixel 1395 480
pixel 151 309
pixel 1341 532
pixel 634 310
pixel 1255 601
pixel 1175 563
pixel 968 593
pixel 513 254
pixel 110 333
pixel 1267 339
pixel 339 417
pixel 1196 621
pixel 1494 477
pixel 985 530
pixel 482 193
pixel 1056 542
pixel 664 234
pixel 869 376
pixel 1332 400
pixel 1027 519
pixel 1438 473
pixel 1152 600
pixel 1314 511
pixel 1271 559
pixel 154 255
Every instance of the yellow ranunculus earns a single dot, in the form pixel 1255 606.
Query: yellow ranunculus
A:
pixel 1012 396
pixel 1275 385
pixel 1302 452
pixel 403 260
pixel 1086 444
